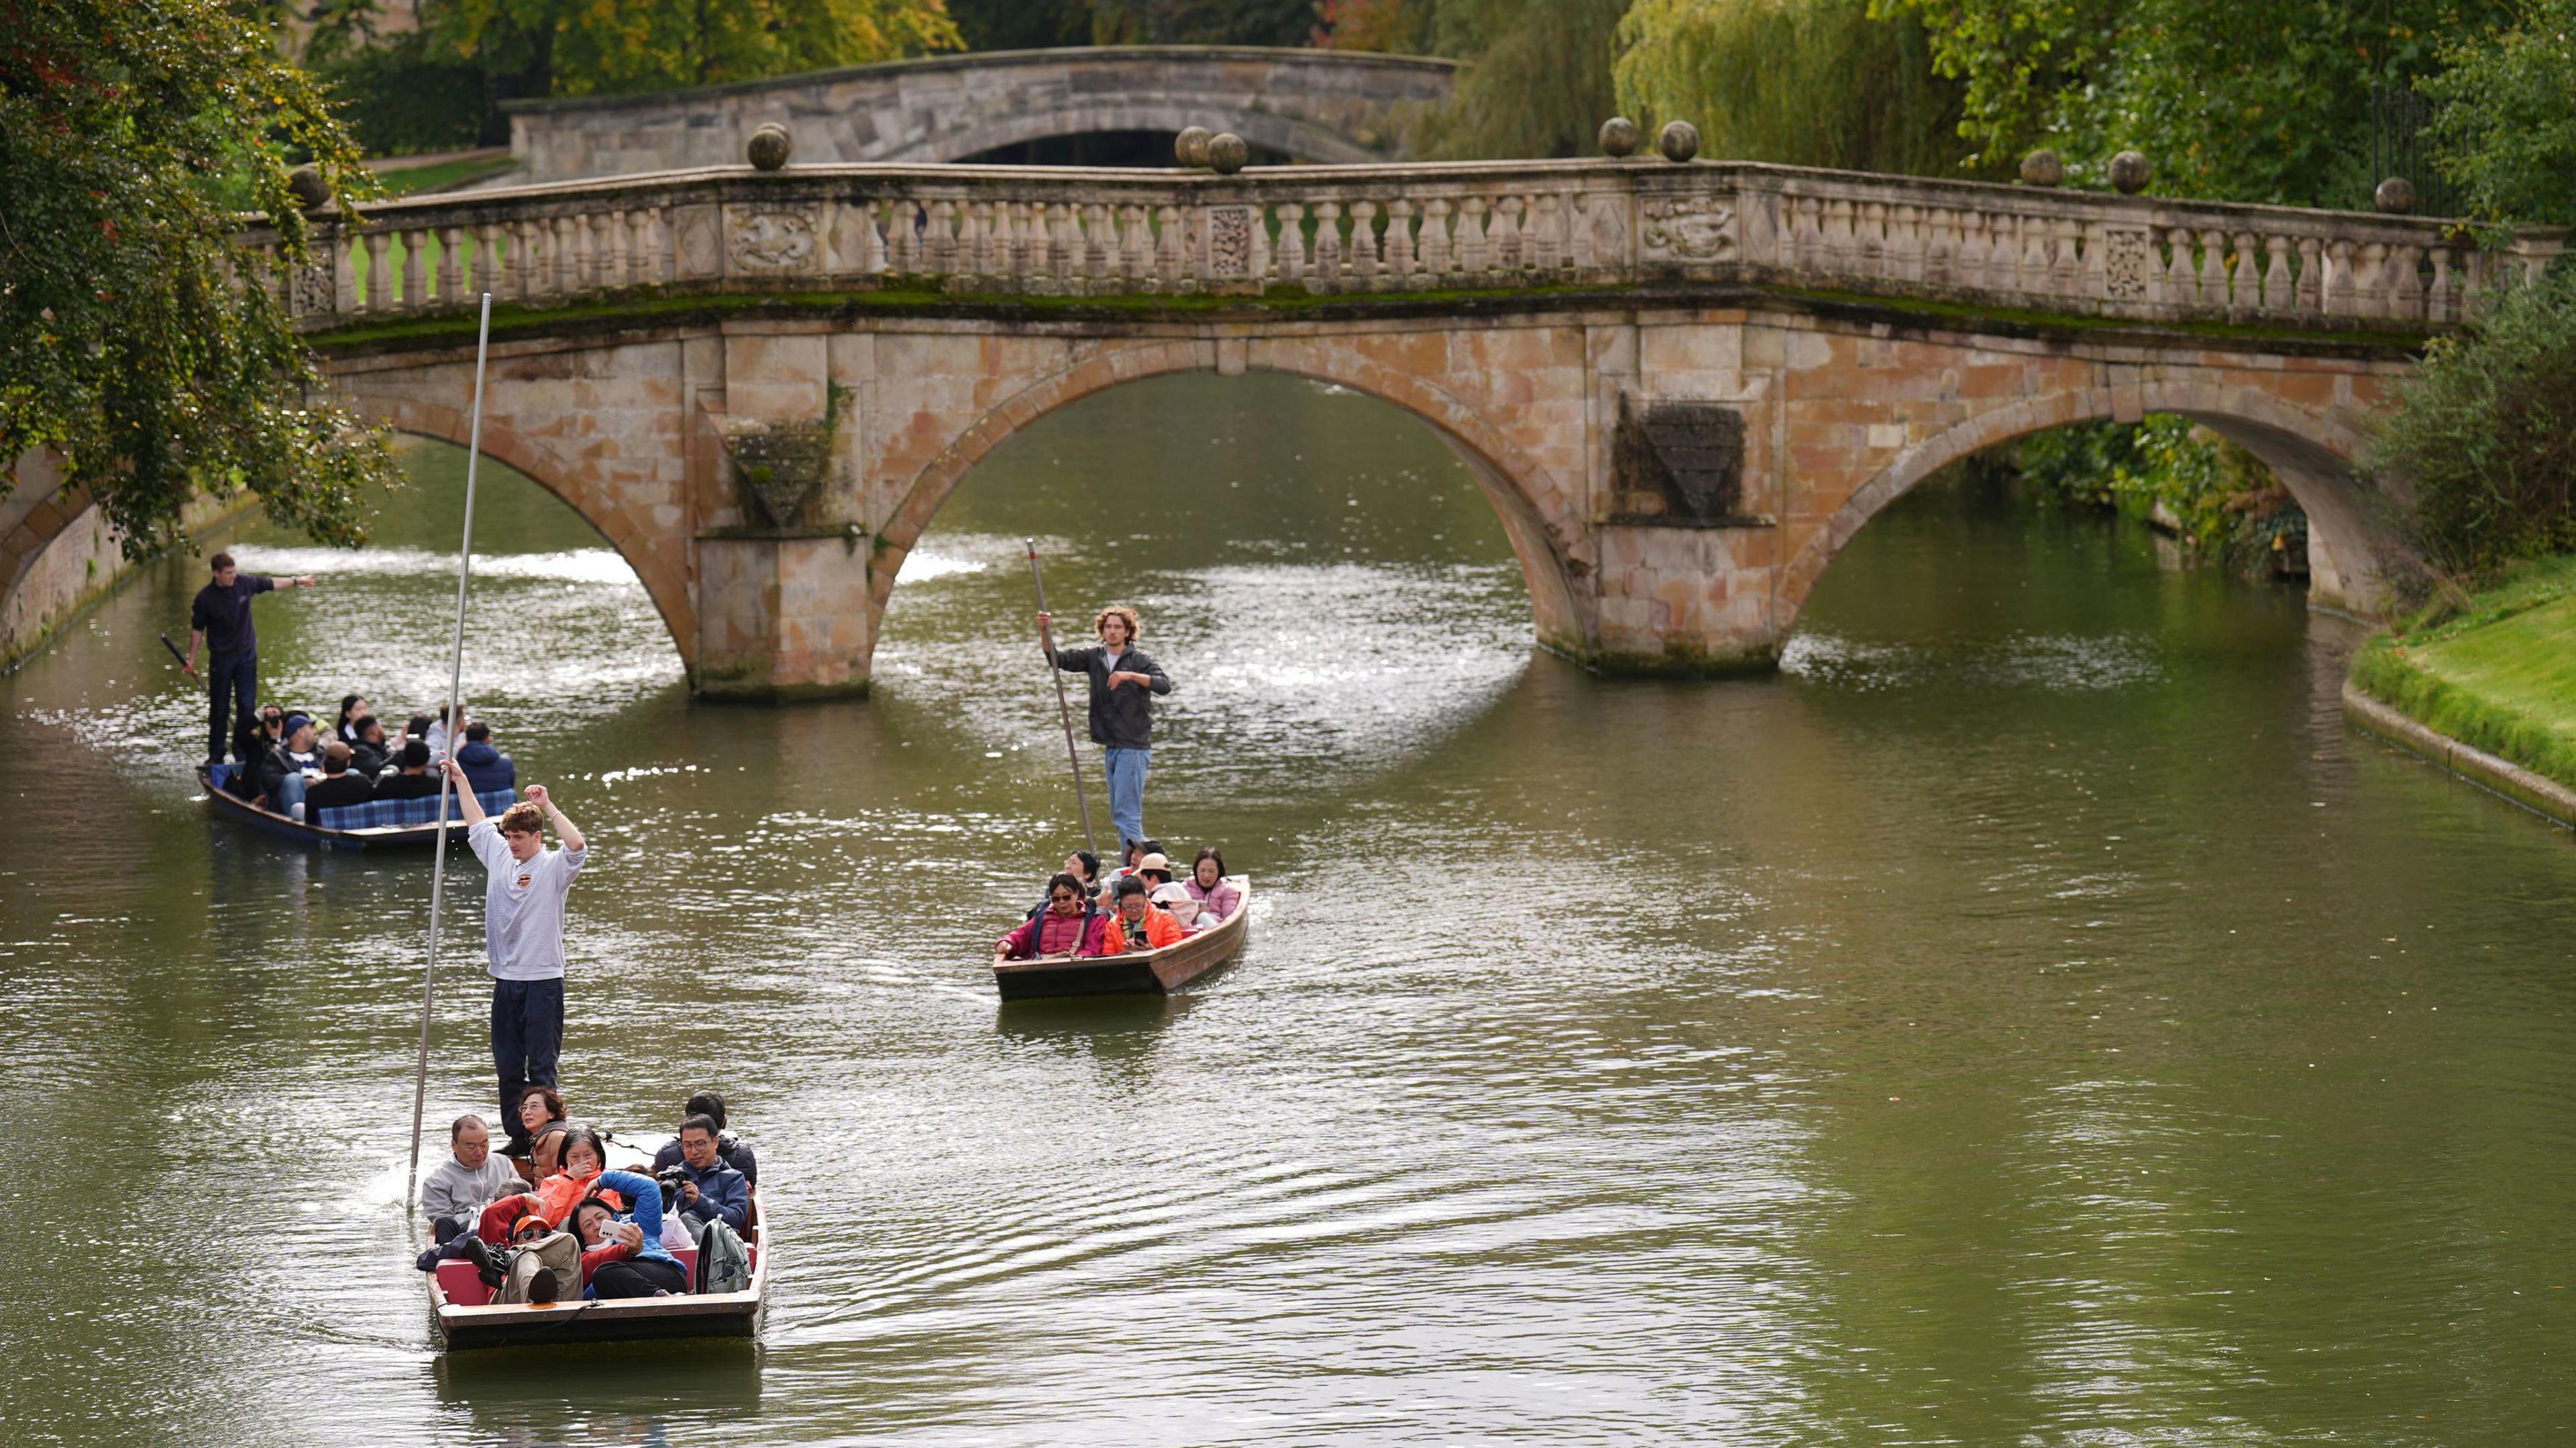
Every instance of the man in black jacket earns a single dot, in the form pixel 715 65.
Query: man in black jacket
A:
pixel 1124 679
pixel 339 785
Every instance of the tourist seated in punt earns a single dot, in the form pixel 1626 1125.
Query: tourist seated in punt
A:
pixel 1070 926
pixel 555 1195
pixel 620 1227
pixel 339 785
pixel 539 1107
pixel 290 767
pixel 1218 897
pixel 353 707
pixel 486 768
pixel 1082 865
pixel 732 1150
pixel 253 743
pixel 368 755
pixel 708 1188
pixel 411 778
pixel 1140 926
pixel 1106 887
pixel 434 733
pixel 473 1177
pixel 1174 900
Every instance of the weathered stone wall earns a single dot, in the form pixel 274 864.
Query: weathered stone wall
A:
pixel 1332 106
pixel 1839 416
pixel 58 556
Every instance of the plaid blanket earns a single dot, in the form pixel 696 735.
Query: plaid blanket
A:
pixel 378 813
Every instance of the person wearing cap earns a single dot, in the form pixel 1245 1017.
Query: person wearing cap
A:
pixel 290 767
pixel 1139 925
pixel 220 619
pixel 1124 679
pixel 1174 900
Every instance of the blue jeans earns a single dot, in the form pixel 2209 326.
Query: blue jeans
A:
pixel 527 1036
pixel 290 793
pixel 234 676
pixel 1127 793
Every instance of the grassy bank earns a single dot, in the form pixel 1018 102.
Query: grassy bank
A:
pixel 2498 674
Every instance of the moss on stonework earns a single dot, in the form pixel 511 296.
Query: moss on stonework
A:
pixel 914 296
pixel 1674 661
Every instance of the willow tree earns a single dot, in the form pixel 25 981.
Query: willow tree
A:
pixel 588 47
pixel 1802 82
pixel 139 345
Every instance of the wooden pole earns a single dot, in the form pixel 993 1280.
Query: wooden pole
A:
pixel 455 731
pixel 1064 712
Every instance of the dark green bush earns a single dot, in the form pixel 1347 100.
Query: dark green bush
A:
pixel 401 99
pixel 2487 434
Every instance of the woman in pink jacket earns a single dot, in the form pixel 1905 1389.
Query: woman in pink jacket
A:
pixel 1218 897
pixel 1069 926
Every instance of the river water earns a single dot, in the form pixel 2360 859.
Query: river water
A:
pixel 2031 1018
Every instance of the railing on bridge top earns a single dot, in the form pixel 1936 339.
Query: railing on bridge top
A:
pixel 1348 230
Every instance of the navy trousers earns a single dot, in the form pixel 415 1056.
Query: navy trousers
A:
pixel 229 676
pixel 527 1036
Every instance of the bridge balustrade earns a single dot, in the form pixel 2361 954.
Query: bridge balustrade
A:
pixel 1416 230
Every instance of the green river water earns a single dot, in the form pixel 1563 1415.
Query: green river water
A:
pixel 2032 1018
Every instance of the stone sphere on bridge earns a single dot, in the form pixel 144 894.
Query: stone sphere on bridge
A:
pixel 1679 141
pixel 1228 153
pixel 1618 136
pixel 1190 147
pixel 307 187
pixel 2395 196
pixel 2042 168
pixel 769 147
pixel 2129 172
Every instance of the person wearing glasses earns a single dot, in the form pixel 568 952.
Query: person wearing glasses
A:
pixel 1071 925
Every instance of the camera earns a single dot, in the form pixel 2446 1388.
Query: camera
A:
pixel 670 1177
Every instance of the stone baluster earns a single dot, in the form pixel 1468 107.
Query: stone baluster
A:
pixel 2182 276
pixel 1905 242
pixel 1400 261
pixel 1509 236
pixel 2031 277
pixel 636 223
pixel 1259 271
pixel 1541 242
pixel 1291 249
pixel 1806 233
pixel 2437 296
pixel 567 279
pixel 1099 241
pixel 1364 261
pixel 1135 243
pixel 978 241
pixel 487 257
pixel 2066 273
pixel 1940 244
pixel 2311 289
pixel 2404 292
pixel 2337 295
pixel 2245 284
pixel 415 269
pixel 1327 258
pixel 938 256
pixel 2280 286
pixel 2371 290
pixel 380 290
pixel 1067 241
pixel 2213 270
pixel 1431 251
pixel 903 239
pixel 1969 267
pixel 451 264
pixel 1468 246
pixel 1871 235
pixel 1171 248
pixel 1842 243
pixel 2095 283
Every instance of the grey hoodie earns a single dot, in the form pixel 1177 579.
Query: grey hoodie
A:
pixel 452 1194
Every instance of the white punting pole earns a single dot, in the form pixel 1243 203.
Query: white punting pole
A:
pixel 455 730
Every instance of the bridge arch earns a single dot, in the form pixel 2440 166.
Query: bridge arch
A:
pixel 2353 556
pixel 1524 494
pixel 1295 136
pixel 663 583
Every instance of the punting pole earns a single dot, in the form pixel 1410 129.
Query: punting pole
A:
pixel 455 731
pixel 1063 710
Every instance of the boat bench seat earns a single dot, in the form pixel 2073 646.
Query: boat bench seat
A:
pixel 465 1289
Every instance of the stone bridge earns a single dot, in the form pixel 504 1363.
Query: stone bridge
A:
pixel 1684 388
pixel 1312 105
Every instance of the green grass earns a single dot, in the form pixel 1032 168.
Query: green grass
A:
pixel 413 180
pixel 2498 674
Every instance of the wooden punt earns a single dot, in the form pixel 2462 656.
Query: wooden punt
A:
pixel 230 806
pixel 469 1319
pixel 1154 972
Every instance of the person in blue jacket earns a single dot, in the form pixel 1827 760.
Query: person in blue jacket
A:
pixel 709 1189
pixel 486 768
pixel 622 1253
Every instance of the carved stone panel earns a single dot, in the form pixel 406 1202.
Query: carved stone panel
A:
pixel 775 242
pixel 1679 464
pixel 1230 241
pixel 1690 228
pixel 311 290
pixel 2127 257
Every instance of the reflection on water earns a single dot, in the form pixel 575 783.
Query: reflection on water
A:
pixel 2031 1018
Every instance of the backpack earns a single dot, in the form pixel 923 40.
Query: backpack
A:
pixel 723 1264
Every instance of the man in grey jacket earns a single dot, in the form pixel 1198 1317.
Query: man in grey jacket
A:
pixel 455 1193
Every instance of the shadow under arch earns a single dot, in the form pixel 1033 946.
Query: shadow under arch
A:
pixel 1305 140
pixel 2352 555
pixel 662 582
pixel 1510 479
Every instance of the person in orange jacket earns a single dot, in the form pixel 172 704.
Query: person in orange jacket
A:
pixel 1141 924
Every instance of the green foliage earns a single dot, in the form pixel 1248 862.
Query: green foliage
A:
pixel 1540 83
pixel 2506 130
pixel 1802 82
pixel 399 97
pixel 2251 102
pixel 1021 24
pixel 2496 671
pixel 2218 496
pixel 130 131
pixel 2487 433
pixel 590 47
